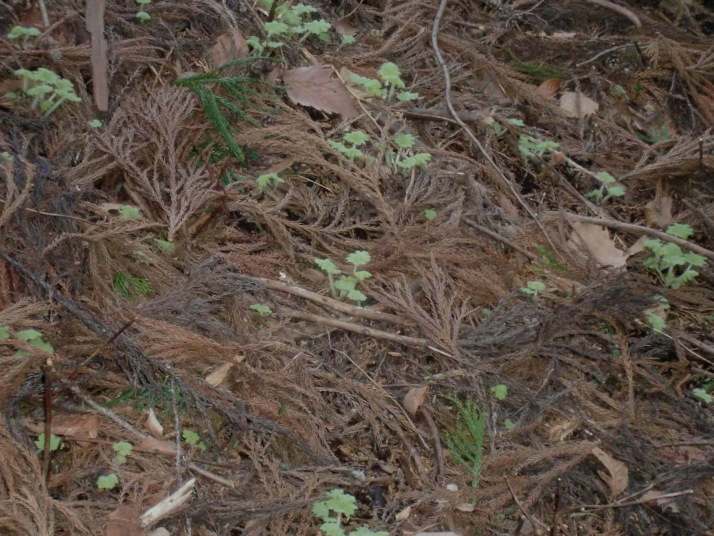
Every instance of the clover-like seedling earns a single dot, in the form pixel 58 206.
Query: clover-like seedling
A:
pixel 372 87
pixel 318 28
pixel 532 288
pixel 346 284
pixel 673 266
pixel 261 309
pixel 24 33
pixel 530 148
pixel 338 508
pixel 355 138
pixel 129 212
pixel 419 159
pixel 144 2
pixel 608 188
pixel 276 28
pixel 268 179
pixel 123 451
pixel 36 339
pixel 346 40
pixel 107 482
pixel 193 439
pixel 48 89
pixel 55 442
pixel 143 16
pixel 430 214
pixel 500 391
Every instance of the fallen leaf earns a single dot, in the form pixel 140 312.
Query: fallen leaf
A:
pixel 658 212
pixel 549 87
pixel 151 444
pixel 76 426
pixel 666 503
pixel 637 247
pixel 159 531
pixel 414 399
pixel 577 105
pixel 229 46
pixel 598 242
pixel 618 478
pixel 153 424
pixel 404 514
pixel 216 377
pixel 560 431
pixel 466 507
pixel 124 522
pixel 317 88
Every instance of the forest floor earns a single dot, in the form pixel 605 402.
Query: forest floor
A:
pixel 453 259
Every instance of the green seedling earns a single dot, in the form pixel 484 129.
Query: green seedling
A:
pixel 466 444
pixel 95 123
pixel 261 309
pixel 608 188
pixel 509 425
pixel 123 451
pixel 673 266
pixel 355 138
pixel 318 28
pixel 143 2
pixel 107 482
pixel 55 442
pixel 430 214
pixel 129 212
pixel 193 439
pixel 24 33
pixel 703 393
pixel 530 148
pixel 346 285
pixel 165 245
pixel 7 156
pixel 335 511
pixel 391 81
pixel 143 16
pixel 47 89
pixel 500 391
pixel 34 338
pixel 269 179
pixel 127 286
pixel 532 288
pixel 346 40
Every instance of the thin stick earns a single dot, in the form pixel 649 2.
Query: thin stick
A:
pixel 357 328
pixel 46 451
pixel 523 251
pixel 465 127
pixel 639 229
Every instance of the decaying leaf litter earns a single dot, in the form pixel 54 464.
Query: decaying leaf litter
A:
pixel 166 261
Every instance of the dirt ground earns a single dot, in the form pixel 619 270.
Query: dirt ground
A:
pixel 453 258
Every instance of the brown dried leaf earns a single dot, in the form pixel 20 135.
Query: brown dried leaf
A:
pixel 150 444
pixel 560 431
pixel 153 424
pixel 597 240
pixel 414 399
pixel 317 88
pixel 229 46
pixel 575 105
pixel 549 87
pixel 404 514
pixel 216 377
pixel 124 522
pixel 658 212
pixel 618 478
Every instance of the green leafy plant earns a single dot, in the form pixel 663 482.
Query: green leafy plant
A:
pixel 165 245
pixel 193 439
pixel 532 288
pixel 608 188
pixel 430 214
pixel 261 309
pixel 530 148
pixel 107 482
pixel 123 451
pixel 269 179
pixel 391 81
pixel 509 425
pixel 240 92
pixel 55 442
pixel 335 511
pixel 500 391
pixel 34 338
pixel 128 286
pixel 673 266
pixel 143 16
pixel 129 212
pixel 355 138
pixel 703 393
pixel 466 443
pixel 346 285
pixel 24 33
pixel 47 89
pixel 346 40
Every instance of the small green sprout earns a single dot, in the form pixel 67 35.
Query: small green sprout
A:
pixel 702 395
pixel 268 179
pixel 143 2
pixel 346 40
pixel 530 148
pixel 24 33
pixel 318 28
pixel 346 284
pixel 371 86
pixel 466 443
pixel 193 439
pixel 123 451
pixel 509 425
pixel 55 442
pixel 95 123
pixel 108 482
pixel 276 28
pixel 532 288
pixel 419 159
pixel 608 188
pixel 261 309
pixel 7 156
pixel 129 212
pixel 500 391
pixel 36 339
pixel 165 246
pixel 355 138
pixel 405 96
pixel 430 214
pixel 656 322
pixel 404 141
pixel 48 89
pixel 143 16
pixel 337 509
pixel 673 266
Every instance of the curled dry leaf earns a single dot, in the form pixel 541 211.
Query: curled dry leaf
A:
pixel 549 87
pixel 153 424
pixel 150 444
pixel 414 399
pixel 216 377
pixel 658 212
pixel 618 478
pixel 597 240
pixel 404 514
pixel 317 88
pixel 577 105
pixel 229 46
